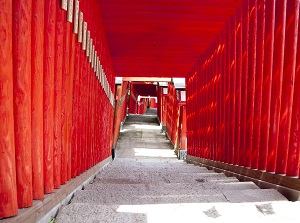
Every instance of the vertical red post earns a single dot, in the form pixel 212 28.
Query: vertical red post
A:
pixel 219 100
pixel 293 166
pixel 76 95
pixel 59 41
pixel 290 52
pixel 245 41
pixel 8 189
pixel 70 82
pixel 233 79
pixel 277 75
pixel 251 80
pixel 183 142
pixel 22 11
pixel 227 92
pixel 37 55
pixel 238 90
pixel 223 100
pixel 267 83
pixel 48 93
pixel 258 82
pixel 64 118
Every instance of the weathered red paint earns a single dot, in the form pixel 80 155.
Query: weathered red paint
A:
pixel 277 75
pixel 245 40
pixel 70 97
pixel 251 80
pixel 238 89
pixel 290 52
pixel 258 82
pixel 59 37
pixel 267 83
pixel 293 166
pixel 37 55
pixel 48 93
pixel 232 74
pixel 223 99
pixel 36 40
pixel 8 189
pixel 64 101
pixel 22 11
pixel 75 121
pixel 183 141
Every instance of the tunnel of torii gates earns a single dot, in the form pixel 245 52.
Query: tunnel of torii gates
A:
pixel 61 110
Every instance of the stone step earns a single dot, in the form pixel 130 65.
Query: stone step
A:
pixel 269 212
pixel 165 188
pixel 253 195
pixel 166 177
pixel 161 169
pixel 147 197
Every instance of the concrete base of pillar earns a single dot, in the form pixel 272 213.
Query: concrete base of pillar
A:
pixel 163 128
pixel 182 154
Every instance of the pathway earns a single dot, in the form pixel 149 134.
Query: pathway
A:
pixel 147 184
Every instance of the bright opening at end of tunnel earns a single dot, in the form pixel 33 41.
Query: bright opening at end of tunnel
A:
pixel 159 153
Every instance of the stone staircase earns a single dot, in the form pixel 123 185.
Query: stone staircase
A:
pixel 146 183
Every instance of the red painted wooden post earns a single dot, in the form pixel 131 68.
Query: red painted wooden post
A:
pixel 37 55
pixel 70 83
pixel 64 119
pixel 22 11
pixel 232 73
pixel 251 80
pixel 293 166
pixel 8 189
pixel 48 96
pixel 201 97
pixel 76 94
pixel 223 99
pixel 82 106
pixel 258 82
pixel 59 37
pixel 267 83
pixel 205 106
pixel 279 40
pixel 183 142
pixel 290 52
pixel 219 100
pixel 227 91
pixel 245 40
pixel 214 105
pixel 238 89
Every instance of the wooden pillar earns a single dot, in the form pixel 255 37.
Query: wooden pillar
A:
pixel 251 80
pixel 293 166
pixel 238 88
pixel 48 93
pixel 258 82
pixel 37 55
pixel 290 52
pixel 277 75
pixel 8 189
pixel 22 12
pixel 267 83
pixel 59 37
pixel 232 92
pixel 64 115
pixel 245 40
